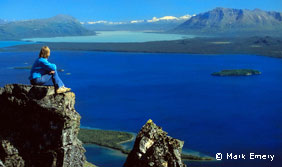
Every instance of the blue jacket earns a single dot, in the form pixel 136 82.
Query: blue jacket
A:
pixel 41 67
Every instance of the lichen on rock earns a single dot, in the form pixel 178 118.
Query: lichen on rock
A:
pixel 153 148
pixel 39 128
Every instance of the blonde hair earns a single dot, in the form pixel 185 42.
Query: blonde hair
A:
pixel 44 52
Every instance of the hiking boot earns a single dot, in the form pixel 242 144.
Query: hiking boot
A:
pixel 62 90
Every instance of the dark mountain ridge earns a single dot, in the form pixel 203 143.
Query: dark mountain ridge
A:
pixel 226 21
pixel 60 25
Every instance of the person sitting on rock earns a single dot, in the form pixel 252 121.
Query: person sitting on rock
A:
pixel 43 71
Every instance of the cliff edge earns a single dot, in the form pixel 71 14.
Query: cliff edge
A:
pixel 39 128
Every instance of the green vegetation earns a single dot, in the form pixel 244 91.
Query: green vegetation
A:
pixel 106 138
pixel 114 139
pixel 88 164
pixel 237 72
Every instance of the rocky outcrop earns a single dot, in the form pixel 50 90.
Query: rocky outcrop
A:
pixel 39 128
pixel 153 148
pixel 1 164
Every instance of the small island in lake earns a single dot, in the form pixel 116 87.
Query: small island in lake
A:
pixel 237 72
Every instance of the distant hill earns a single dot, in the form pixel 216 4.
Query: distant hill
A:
pixel 60 25
pixel 225 21
pixel 2 21
pixel 155 24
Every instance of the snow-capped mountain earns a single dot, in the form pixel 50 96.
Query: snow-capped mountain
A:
pixel 154 24
pixel 170 18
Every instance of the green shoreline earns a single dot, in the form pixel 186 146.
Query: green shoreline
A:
pixel 114 139
pixel 264 46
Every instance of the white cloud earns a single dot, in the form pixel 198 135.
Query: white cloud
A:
pixel 168 18
pixel 154 19
pixel 97 22
pixel 136 21
pixel 185 17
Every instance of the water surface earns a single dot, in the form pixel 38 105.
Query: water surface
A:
pixel 115 36
pixel 121 91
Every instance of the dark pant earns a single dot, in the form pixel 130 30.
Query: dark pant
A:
pixel 45 78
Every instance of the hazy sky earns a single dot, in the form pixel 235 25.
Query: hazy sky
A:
pixel 122 10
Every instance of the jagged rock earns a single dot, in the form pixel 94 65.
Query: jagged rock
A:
pixel 12 157
pixel 39 128
pixel 153 148
pixel 1 164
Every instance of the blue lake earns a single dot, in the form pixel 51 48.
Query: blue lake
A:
pixel 115 36
pixel 121 91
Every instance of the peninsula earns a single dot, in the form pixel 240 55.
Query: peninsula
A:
pixel 114 139
pixel 263 46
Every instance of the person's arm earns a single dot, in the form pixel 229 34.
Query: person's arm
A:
pixel 47 65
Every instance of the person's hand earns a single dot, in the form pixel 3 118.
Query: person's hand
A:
pixel 52 72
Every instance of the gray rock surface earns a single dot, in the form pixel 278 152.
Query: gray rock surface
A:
pixel 39 128
pixel 153 148
pixel 1 164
